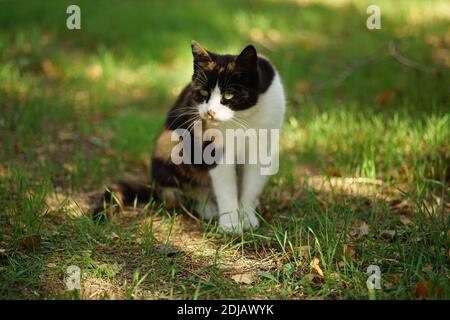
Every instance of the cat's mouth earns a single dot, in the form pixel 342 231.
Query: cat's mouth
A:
pixel 216 117
pixel 210 121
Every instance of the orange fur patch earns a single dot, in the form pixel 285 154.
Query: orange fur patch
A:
pixel 164 146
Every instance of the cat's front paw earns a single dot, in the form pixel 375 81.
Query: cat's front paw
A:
pixel 230 223
pixel 250 220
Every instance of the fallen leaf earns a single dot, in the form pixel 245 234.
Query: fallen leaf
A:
pixel 405 220
pixel 114 236
pixel 30 242
pixel 388 234
pixel 303 86
pixel 421 291
pixel 363 229
pixel 245 278
pixel 304 251
pixel 349 251
pixel 315 264
pixel 49 68
pixel 333 172
pixel 392 261
pixel 7 230
pixel 396 278
pixel 427 268
pixel 68 167
pixel 384 96
pixel 335 276
pixel 3 172
pixel 94 72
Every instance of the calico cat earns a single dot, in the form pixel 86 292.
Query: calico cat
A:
pixel 226 92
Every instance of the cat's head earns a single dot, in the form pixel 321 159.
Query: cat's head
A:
pixel 224 84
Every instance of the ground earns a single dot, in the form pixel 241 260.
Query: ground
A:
pixel 363 179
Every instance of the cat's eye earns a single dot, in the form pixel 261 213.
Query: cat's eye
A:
pixel 204 93
pixel 228 95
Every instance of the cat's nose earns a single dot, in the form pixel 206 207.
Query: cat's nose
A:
pixel 211 113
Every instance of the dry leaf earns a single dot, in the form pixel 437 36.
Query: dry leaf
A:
pixel 405 220
pixel 388 234
pixel 245 278
pixel 7 230
pixel 114 236
pixel 349 251
pixel 384 96
pixel 304 251
pixel 396 278
pixel 335 276
pixel 427 268
pixel 333 172
pixel 29 242
pixel 315 264
pixel 392 261
pixel 3 172
pixel 303 86
pixel 421 291
pixel 68 167
pixel 363 229
pixel 94 72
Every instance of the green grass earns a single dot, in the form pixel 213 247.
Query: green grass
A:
pixel 81 109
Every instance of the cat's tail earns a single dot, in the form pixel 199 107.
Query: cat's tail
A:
pixel 121 194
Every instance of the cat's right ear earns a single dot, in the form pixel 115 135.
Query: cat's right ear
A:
pixel 201 56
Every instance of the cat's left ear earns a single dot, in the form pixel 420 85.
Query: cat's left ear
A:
pixel 247 58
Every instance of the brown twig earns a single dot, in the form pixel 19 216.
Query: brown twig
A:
pixel 376 57
pixel 190 214
pixel 393 52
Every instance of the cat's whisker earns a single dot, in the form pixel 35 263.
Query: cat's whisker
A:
pixel 201 81
pixel 238 123
pixel 240 120
pixel 190 127
pixel 202 72
pixel 187 121
pixel 192 113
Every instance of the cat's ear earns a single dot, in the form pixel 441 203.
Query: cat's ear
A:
pixel 201 56
pixel 247 58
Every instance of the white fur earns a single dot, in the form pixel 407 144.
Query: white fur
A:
pixel 236 204
pixel 222 112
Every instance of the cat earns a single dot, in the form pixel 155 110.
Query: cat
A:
pixel 226 92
